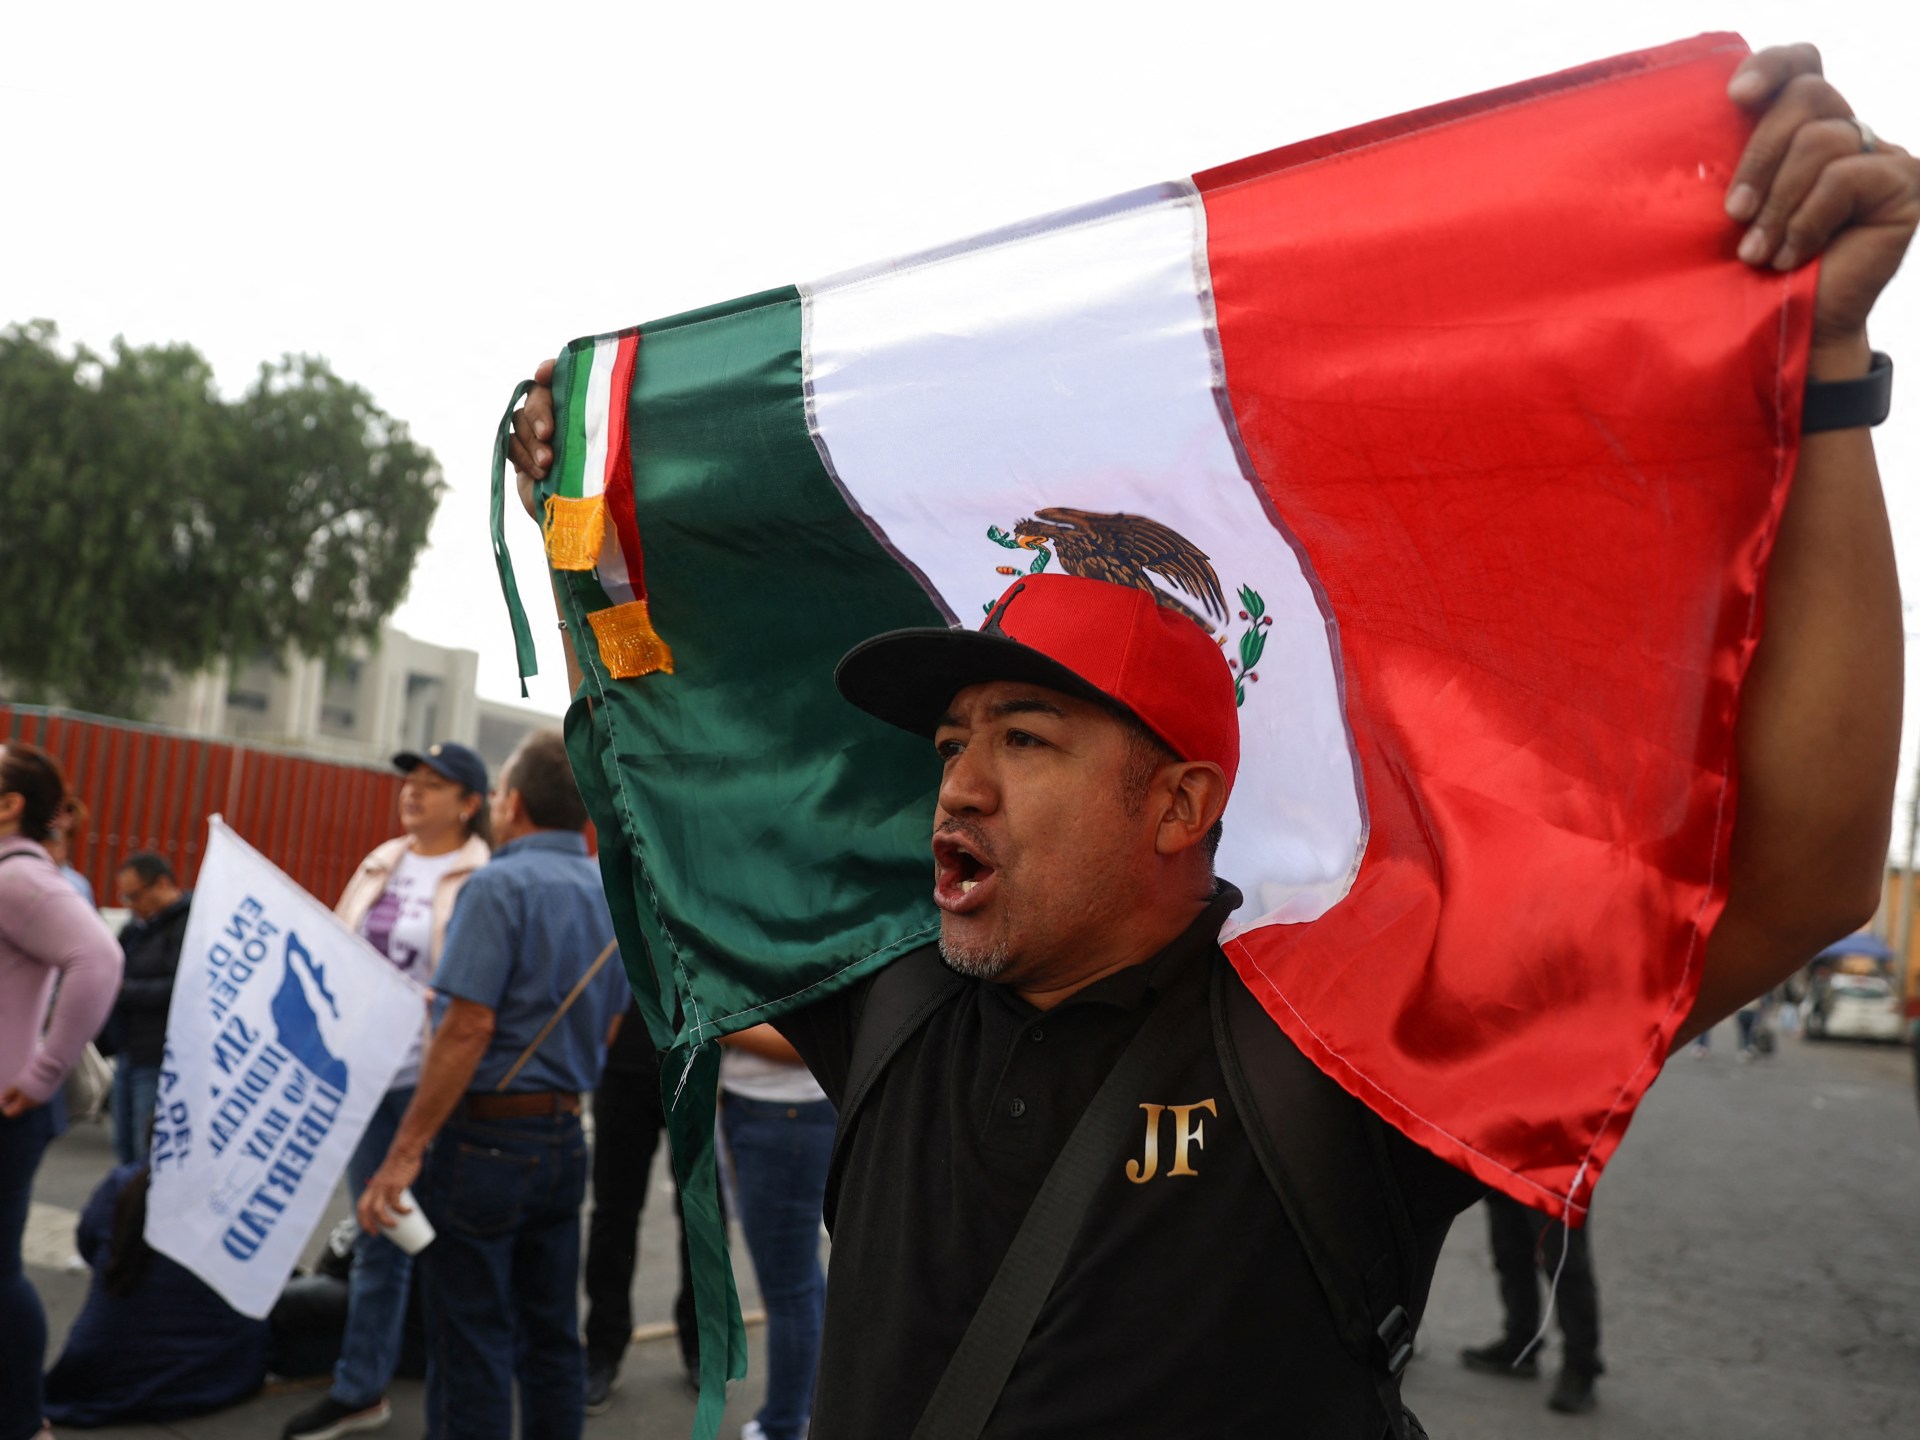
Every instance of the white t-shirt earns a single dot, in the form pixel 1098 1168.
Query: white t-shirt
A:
pixel 400 927
pixel 758 1078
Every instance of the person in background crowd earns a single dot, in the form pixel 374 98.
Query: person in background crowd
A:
pixel 46 931
pixel 63 842
pixel 137 1029
pixel 309 1320
pixel 778 1125
pixel 152 1343
pixel 527 997
pixel 69 828
pixel 401 900
pixel 628 1120
pixel 1525 1242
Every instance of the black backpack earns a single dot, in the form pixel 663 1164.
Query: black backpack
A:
pixel 1306 1131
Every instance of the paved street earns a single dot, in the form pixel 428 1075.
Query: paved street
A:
pixel 1757 1246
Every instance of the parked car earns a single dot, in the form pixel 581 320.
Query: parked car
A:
pixel 1858 1006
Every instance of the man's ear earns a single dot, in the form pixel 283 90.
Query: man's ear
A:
pixel 1196 797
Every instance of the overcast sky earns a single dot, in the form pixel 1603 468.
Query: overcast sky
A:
pixel 436 197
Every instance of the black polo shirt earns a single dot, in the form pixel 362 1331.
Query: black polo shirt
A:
pixel 1187 1306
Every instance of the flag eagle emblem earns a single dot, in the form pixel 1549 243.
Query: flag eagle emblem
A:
pixel 1125 549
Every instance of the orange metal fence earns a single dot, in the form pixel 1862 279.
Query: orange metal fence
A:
pixel 153 789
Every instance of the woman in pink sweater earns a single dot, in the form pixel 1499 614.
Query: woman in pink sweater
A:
pixel 46 931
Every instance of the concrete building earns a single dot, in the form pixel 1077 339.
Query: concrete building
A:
pixel 398 694
pixel 503 726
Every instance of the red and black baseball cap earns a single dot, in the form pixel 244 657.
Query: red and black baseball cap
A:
pixel 1101 642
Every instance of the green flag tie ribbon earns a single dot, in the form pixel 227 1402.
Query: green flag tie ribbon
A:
pixel 503 562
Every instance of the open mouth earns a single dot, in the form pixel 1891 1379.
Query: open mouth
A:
pixel 963 875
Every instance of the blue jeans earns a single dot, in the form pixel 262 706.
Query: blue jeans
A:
pixel 23 1324
pixel 780 1154
pixel 135 1088
pixel 501 1279
pixel 377 1285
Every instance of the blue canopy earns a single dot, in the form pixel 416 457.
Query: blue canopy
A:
pixel 1863 943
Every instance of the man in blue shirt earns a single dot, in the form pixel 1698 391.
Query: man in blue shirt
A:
pixel 522 1020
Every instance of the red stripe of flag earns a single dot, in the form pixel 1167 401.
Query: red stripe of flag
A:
pixel 1536 457
pixel 619 487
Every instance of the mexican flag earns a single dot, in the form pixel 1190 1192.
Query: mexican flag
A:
pixel 1464 434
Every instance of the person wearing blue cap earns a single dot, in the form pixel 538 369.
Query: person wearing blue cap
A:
pixel 400 899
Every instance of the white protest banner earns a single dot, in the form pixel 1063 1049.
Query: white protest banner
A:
pixel 286 1029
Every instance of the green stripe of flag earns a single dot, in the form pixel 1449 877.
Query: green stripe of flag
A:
pixel 758 595
pixel 570 402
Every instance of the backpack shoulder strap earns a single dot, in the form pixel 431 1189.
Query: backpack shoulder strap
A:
pixel 1326 1156
pixel 899 1000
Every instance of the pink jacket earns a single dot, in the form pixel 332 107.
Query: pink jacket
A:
pixel 46 929
pixel 371 878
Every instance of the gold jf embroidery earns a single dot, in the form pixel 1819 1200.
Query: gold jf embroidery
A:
pixel 1188 1135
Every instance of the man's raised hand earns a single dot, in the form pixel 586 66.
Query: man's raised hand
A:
pixel 530 447
pixel 1814 181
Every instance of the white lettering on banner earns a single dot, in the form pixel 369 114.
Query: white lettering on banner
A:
pixel 281 1039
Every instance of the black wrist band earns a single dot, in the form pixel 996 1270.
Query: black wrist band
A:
pixel 1844 404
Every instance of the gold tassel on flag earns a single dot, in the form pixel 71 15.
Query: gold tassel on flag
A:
pixel 575 529
pixel 629 645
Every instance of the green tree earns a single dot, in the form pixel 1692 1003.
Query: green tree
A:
pixel 148 526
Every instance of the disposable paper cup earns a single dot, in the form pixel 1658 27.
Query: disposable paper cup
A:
pixel 410 1231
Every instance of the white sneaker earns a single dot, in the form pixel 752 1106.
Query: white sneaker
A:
pixel 752 1431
